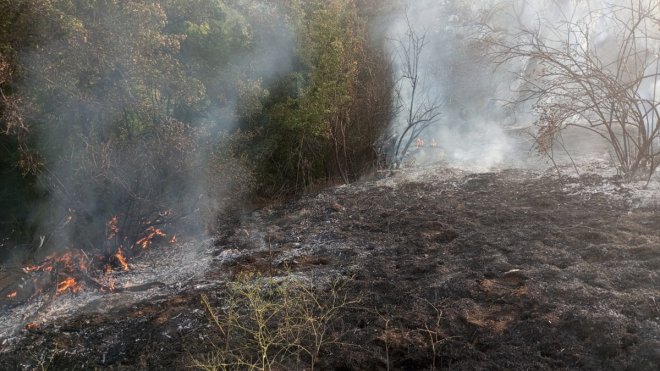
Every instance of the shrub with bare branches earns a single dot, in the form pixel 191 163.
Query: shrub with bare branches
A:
pixel 275 323
pixel 595 69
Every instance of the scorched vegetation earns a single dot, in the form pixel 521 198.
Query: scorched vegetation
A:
pixel 329 184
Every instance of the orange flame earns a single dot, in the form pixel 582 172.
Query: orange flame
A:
pixel 122 259
pixel 69 259
pixel 113 229
pixel 173 239
pixel 68 284
pixel 45 266
pixel 146 241
pixel 12 294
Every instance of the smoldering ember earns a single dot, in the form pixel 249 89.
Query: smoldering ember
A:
pixel 329 184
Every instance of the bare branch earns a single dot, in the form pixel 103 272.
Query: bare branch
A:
pixel 421 111
pixel 573 83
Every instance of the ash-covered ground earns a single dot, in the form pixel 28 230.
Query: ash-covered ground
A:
pixel 511 269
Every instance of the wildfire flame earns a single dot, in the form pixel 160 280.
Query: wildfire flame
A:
pixel 68 284
pixel 69 259
pixel 112 228
pixel 46 266
pixel 68 262
pixel 146 241
pixel 121 258
pixel 74 262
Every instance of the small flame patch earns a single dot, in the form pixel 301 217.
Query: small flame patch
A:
pixel 112 228
pixel 121 258
pixel 146 241
pixel 68 284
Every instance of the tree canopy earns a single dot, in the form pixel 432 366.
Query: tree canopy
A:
pixel 107 105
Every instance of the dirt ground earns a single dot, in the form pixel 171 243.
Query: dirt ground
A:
pixel 515 269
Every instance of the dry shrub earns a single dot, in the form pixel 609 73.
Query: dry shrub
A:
pixel 575 79
pixel 274 323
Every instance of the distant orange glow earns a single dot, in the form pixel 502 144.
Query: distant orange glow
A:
pixel 12 294
pixel 32 326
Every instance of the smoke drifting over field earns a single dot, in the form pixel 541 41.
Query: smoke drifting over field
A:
pixel 478 127
pixel 455 72
pixel 128 100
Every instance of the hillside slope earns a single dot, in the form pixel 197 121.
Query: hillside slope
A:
pixel 504 270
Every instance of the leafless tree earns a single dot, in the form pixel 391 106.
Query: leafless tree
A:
pixel 598 72
pixel 418 106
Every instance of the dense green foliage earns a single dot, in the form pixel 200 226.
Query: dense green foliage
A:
pixel 323 119
pixel 110 105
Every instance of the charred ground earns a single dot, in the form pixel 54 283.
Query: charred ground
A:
pixel 506 270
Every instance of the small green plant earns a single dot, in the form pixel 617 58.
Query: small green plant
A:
pixel 274 323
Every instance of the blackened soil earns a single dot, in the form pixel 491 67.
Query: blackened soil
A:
pixel 507 270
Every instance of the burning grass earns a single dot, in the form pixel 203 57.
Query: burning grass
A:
pixel 74 270
pixel 150 234
pixel 121 259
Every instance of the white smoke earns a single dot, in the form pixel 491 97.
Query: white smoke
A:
pixel 478 127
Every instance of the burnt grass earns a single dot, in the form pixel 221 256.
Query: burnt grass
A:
pixel 506 270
